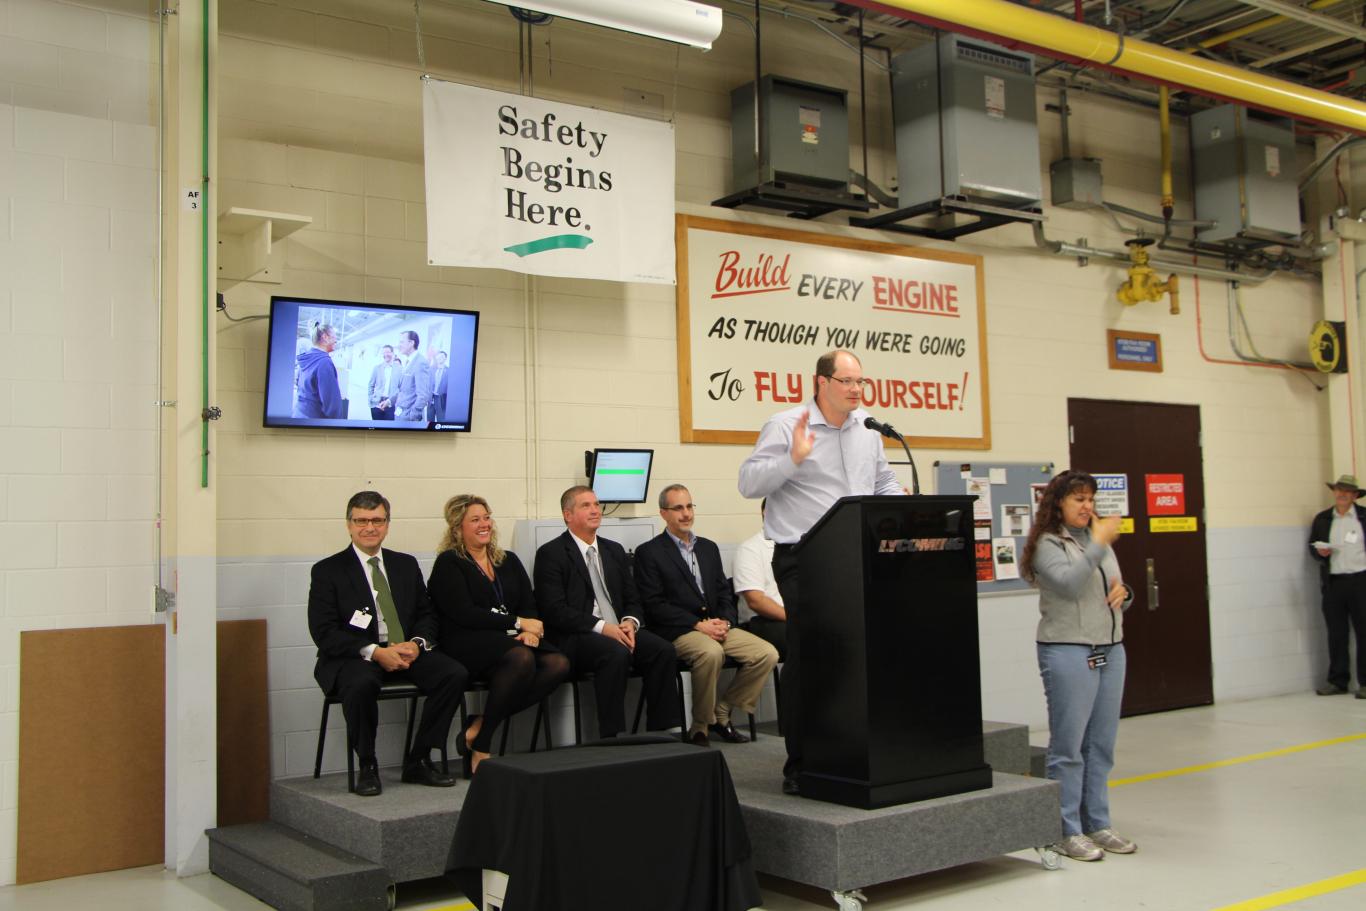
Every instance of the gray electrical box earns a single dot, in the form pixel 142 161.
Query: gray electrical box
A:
pixel 966 124
pixel 1244 163
pixel 805 130
pixel 1076 183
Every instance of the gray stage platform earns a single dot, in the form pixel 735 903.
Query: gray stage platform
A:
pixel 407 831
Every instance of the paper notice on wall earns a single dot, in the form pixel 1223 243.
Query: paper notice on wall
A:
pixel 1273 161
pixel 997 475
pixel 1112 494
pixel 1003 555
pixel 981 530
pixel 1035 497
pixel 995 96
pixel 985 569
pixel 981 489
pixel 1016 519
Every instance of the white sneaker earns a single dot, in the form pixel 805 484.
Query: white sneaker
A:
pixel 1079 847
pixel 1112 841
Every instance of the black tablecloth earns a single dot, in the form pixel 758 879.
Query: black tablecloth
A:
pixel 629 824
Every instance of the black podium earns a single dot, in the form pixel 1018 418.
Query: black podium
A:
pixel 891 685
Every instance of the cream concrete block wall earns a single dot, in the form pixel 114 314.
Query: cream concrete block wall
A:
pixel 320 107
pixel 77 332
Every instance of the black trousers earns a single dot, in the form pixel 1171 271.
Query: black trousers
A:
pixel 785 567
pixel 611 663
pixel 1344 603
pixel 440 678
pixel 774 632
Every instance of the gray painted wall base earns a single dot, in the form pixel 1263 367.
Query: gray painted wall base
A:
pixel 294 872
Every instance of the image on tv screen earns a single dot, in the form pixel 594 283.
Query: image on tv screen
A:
pixel 337 364
pixel 621 475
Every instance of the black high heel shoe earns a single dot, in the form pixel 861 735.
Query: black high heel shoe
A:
pixel 462 746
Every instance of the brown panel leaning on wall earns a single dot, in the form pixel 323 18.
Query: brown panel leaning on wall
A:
pixel 243 723
pixel 92 757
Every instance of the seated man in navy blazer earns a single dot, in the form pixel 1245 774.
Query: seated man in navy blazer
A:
pixel 688 599
pixel 370 618
pixel 588 603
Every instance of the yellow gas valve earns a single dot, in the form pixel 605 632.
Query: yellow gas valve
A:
pixel 1143 283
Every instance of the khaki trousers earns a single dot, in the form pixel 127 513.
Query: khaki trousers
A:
pixel 705 655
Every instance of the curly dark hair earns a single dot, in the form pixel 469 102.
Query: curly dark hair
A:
pixel 1048 518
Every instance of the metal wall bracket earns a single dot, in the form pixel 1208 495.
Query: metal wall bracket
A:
pixel 987 216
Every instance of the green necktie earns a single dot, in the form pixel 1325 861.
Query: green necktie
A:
pixel 387 610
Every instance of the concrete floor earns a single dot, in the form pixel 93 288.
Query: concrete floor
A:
pixel 1279 820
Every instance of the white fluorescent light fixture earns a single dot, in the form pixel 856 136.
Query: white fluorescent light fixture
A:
pixel 681 21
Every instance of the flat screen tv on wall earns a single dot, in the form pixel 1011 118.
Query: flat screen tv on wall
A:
pixel 342 364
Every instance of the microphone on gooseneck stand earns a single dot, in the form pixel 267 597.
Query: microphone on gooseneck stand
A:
pixel 889 431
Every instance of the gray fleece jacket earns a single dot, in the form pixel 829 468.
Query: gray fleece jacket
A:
pixel 1072 574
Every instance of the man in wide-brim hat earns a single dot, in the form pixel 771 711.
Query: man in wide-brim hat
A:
pixel 1337 540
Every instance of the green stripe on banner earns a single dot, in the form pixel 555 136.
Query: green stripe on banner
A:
pixel 558 242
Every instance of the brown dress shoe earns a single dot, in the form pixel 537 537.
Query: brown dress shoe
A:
pixel 699 739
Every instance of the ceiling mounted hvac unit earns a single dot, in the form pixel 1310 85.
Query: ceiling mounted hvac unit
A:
pixel 680 21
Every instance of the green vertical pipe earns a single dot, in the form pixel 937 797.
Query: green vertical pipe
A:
pixel 204 252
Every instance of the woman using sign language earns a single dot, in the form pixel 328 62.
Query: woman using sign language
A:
pixel 1069 560
pixel 488 622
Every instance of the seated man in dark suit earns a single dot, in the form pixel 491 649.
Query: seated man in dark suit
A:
pixel 588 603
pixel 688 599
pixel 370 618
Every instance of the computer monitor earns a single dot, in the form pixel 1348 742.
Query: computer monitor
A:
pixel 621 475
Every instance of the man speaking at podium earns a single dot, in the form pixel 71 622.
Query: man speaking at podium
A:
pixel 806 458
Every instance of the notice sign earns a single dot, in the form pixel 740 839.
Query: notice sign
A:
pixel 545 188
pixel 1134 350
pixel 1173 523
pixel 1166 494
pixel 757 306
pixel 1112 494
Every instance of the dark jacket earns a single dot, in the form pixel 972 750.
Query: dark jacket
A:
pixel 1320 530
pixel 465 599
pixel 564 593
pixel 319 394
pixel 341 586
pixel 673 605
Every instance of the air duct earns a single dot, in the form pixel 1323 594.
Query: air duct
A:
pixel 1055 36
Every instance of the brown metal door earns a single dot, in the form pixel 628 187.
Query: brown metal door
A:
pixel 1166 631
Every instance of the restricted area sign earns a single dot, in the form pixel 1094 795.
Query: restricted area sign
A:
pixel 1166 494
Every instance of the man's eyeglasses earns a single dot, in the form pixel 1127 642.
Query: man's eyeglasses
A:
pixel 680 508
pixel 848 381
pixel 368 522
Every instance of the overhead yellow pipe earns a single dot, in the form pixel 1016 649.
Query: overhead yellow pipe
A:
pixel 1164 119
pixel 1253 27
pixel 1059 37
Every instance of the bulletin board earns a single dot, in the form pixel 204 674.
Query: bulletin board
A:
pixel 1002 515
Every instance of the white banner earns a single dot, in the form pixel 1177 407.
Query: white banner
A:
pixel 757 306
pixel 546 188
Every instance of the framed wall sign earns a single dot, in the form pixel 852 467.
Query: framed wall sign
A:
pixel 1134 350
pixel 758 305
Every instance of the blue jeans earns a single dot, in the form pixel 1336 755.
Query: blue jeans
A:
pixel 1083 719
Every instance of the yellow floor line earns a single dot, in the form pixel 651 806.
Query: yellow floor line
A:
pixel 1299 893
pixel 1187 770
pixel 463 906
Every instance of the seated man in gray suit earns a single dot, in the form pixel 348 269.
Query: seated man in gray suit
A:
pixel 415 383
pixel 384 386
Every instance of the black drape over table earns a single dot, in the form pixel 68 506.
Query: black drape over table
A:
pixel 637 822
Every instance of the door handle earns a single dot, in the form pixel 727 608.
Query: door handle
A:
pixel 1152 584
